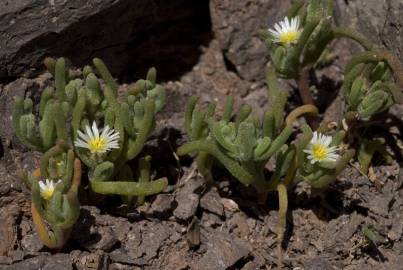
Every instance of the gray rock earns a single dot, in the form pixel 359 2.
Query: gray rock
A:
pixel 94 231
pixel 16 255
pixel 187 199
pixel 317 264
pixel 223 252
pixel 44 262
pixel 211 201
pixel 379 20
pixel 162 204
pixel 31 243
pixel 115 30
pixel 142 243
pixel 236 23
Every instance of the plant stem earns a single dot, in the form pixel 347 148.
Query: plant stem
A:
pixel 281 223
pixel 303 87
pixel 348 33
pixel 395 65
pixel 304 109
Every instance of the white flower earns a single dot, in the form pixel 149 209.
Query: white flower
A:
pixel 47 188
pixel 95 142
pixel 319 150
pixel 287 31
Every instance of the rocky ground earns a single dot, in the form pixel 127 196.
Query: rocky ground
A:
pixel 357 225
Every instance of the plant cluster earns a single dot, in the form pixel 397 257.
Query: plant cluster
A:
pixel 319 152
pixel 83 120
pixel 71 113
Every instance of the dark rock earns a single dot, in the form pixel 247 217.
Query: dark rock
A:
pixel 236 24
pixel 344 227
pixel 187 199
pixel 115 30
pixel 152 238
pixel 317 264
pixel 162 205
pixel 251 266
pixel 120 256
pixel 211 220
pixel 380 21
pixel 92 231
pixel 223 252
pixel 239 225
pixel 380 204
pixel 211 201
pixel 142 243
pixel 44 262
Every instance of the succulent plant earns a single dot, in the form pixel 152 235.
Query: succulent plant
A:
pixel 368 89
pixel 373 78
pixel 55 194
pixel 242 145
pixel 301 37
pixel 69 115
pixel 319 158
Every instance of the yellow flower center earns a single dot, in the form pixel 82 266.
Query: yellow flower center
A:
pixel 97 145
pixel 289 37
pixel 48 193
pixel 319 151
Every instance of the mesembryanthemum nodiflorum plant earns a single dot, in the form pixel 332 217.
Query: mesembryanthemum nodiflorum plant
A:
pixel 82 118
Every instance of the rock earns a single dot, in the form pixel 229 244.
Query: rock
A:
pixel 223 252
pixel 44 262
pixel 115 30
pixel 152 238
pixel 236 24
pixel 251 266
pixel 187 199
pixel 344 231
pixel 162 205
pixel 211 220
pixel 8 236
pixel 239 225
pixel 229 205
pixel 142 243
pixel 380 21
pixel 92 231
pixel 211 201
pixel 16 255
pixel 176 261
pixel 395 233
pixel 317 264
pixel 31 243
pixel 89 261
pixel 380 204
